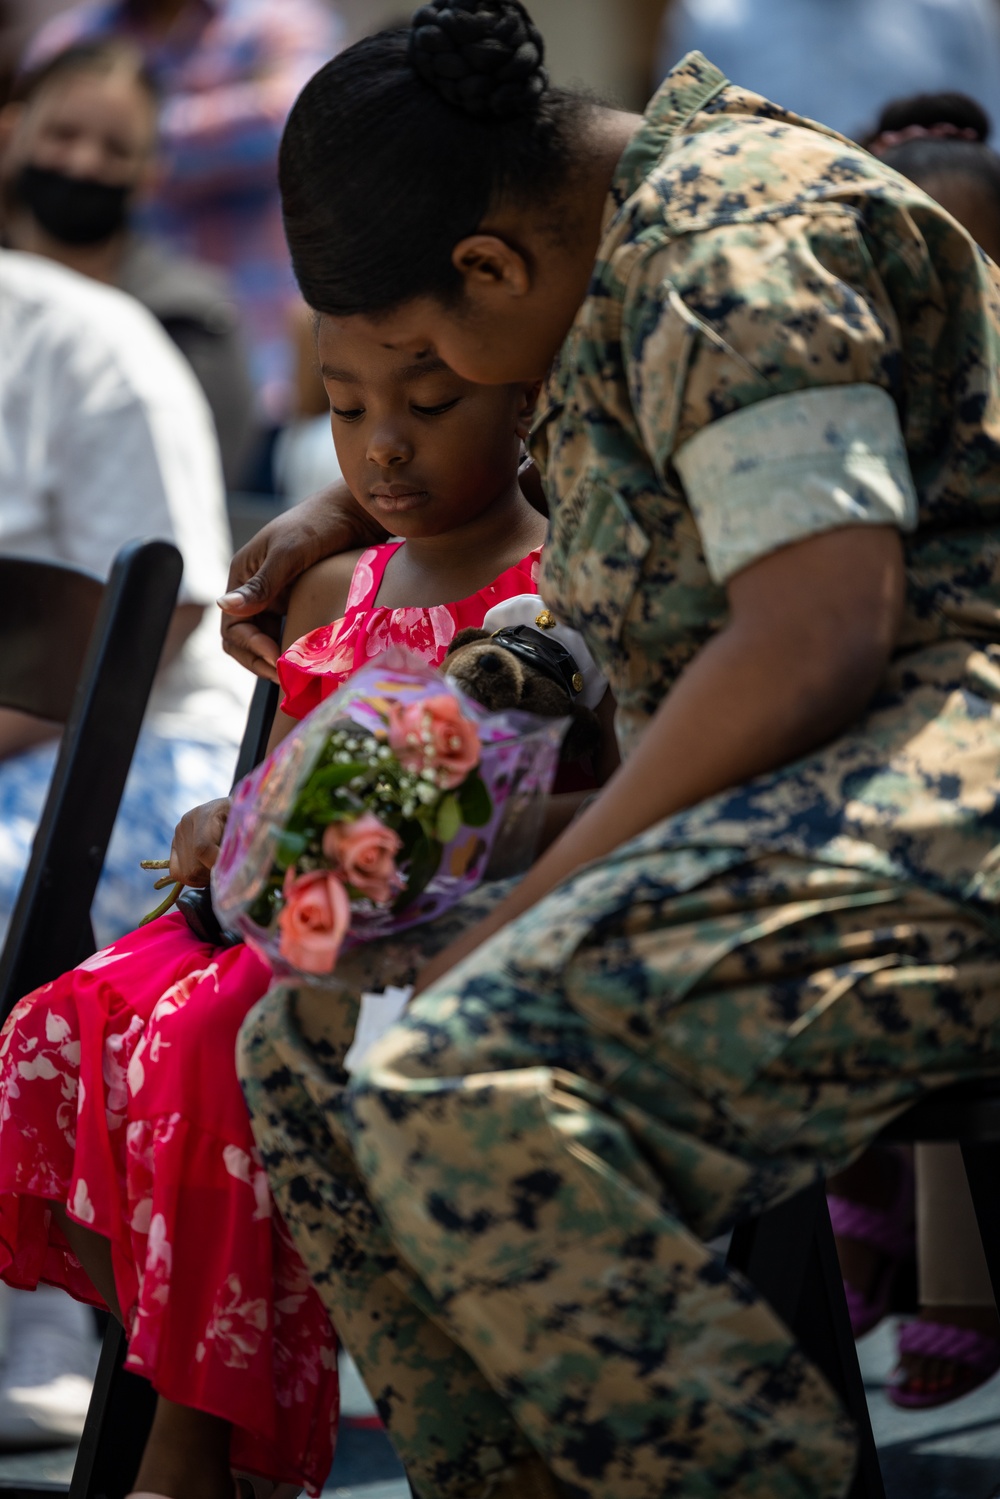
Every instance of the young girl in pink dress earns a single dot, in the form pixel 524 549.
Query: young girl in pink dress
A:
pixel 128 1173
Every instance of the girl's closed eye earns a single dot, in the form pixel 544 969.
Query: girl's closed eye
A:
pixel 438 410
pixel 348 416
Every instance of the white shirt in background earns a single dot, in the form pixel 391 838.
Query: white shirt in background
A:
pixel 105 437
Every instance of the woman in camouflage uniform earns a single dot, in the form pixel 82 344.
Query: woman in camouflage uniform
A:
pixel 770 442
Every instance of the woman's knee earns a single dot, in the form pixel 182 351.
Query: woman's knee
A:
pixel 256 1057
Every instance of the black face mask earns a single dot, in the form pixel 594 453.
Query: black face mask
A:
pixel 75 210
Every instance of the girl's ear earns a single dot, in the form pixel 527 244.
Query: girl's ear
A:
pixel 526 409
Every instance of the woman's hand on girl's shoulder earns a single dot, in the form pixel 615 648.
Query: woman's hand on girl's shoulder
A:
pixel 265 570
pixel 197 838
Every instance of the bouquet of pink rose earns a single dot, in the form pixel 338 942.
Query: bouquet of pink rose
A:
pixel 380 810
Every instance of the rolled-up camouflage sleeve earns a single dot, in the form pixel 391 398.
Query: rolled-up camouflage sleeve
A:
pixel 765 390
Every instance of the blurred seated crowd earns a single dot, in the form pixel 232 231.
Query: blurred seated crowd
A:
pixel 138 142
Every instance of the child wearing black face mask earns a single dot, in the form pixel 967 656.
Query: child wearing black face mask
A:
pixel 77 147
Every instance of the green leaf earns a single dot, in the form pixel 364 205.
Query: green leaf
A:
pixel 333 776
pixel 424 864
pixel 474 801
pixel 290 846
pixel 449 819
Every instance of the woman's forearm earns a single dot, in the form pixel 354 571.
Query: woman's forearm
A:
pixel 779 680
pixel 740 710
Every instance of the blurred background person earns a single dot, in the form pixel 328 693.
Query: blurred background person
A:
pixel 227 72
pixel 77 152
pixel 104 437
pixel 19 20
pixel 837 61
pixel 939 141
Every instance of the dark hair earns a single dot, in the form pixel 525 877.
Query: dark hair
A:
pixel 397 149
pixel 929 135
pixel 114 55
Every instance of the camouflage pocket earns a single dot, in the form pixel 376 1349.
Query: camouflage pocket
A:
pixel 592 566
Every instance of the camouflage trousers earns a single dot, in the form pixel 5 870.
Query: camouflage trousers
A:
pixel 506 1212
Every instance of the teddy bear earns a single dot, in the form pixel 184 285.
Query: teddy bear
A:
pixel 537 667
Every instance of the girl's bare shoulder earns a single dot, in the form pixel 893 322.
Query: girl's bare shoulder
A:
pixel 320 595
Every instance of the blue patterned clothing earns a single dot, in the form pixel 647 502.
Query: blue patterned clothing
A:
pixel 168 777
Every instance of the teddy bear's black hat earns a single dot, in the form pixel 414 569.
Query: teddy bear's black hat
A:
pixel 544 653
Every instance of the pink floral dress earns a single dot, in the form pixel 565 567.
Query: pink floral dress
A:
pixel 316 665
pixel 119 1099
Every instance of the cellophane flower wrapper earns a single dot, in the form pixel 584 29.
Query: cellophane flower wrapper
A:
pixel 518 759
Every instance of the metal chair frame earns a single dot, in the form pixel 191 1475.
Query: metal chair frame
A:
pixel 82 653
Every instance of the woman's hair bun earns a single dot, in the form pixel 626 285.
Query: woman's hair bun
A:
pixel 483 56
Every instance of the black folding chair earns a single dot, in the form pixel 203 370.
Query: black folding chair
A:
pixel 82 654
pixel 122 1405
pixel 789 1252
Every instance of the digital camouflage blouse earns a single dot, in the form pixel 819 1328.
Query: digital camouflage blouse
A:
pixel 783 336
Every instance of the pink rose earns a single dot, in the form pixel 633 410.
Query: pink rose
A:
pixel 313 921
pixel 364 853
pixel 434 735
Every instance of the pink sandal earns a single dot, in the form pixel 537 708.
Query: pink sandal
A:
pixel 976 1356
pixel 890 1231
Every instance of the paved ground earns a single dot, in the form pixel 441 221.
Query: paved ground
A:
pixel 951 1453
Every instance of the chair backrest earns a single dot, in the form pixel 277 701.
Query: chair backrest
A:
pixel 263 706
pixel 84 654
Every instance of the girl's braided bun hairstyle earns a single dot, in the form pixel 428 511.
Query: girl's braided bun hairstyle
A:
pixel 398 148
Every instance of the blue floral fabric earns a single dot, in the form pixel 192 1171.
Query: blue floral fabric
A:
pixel 168 778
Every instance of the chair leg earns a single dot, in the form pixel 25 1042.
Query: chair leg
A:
pixel 789 1255
pixel 118 1423
pixel 982 1166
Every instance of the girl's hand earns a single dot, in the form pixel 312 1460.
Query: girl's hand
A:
pixel 196 842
